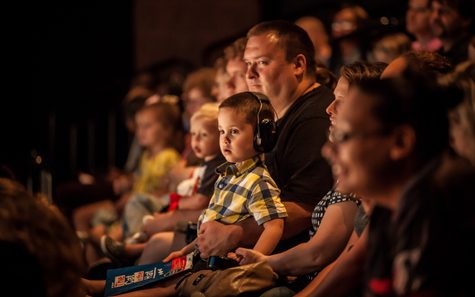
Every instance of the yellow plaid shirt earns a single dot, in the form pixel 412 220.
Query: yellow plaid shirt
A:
pixel 243 191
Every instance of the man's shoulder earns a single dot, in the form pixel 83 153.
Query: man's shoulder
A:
pixel 313 104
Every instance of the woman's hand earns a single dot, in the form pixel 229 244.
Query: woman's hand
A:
pixel 248 256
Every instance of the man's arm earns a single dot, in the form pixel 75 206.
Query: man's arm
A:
pixel 299 218
pixel 218 239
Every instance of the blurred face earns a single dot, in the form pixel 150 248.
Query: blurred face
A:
pixel 236 69
pixel 344 22
pixel 446 22
pixel 193 101
pixel 204 138
pixel 236 136
pixel 359 153
pixel 149 130
pixel 268 71
pixel 221 89
pixel 418 17
pixel 340 92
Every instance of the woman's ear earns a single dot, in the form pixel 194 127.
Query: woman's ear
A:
pixel 404 142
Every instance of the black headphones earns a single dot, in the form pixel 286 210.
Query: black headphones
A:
pixel 265 133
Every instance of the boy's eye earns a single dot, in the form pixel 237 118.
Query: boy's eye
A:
pixel 221 132
pixel 234 131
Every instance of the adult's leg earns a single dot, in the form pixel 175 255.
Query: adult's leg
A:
pixel 160 245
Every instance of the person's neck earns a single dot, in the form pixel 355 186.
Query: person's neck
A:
pixel 283 104
pixel 209 158
pixel 424 38
pixel 155 149
pixel 389 194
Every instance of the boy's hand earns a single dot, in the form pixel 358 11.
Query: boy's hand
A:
pixel 248 256
pixel 216 239
pixel 173 255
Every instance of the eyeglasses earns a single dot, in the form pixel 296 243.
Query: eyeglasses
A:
pixel 338 136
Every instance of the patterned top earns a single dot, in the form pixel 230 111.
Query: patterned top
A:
pixel 332 197
pixel 242 191
pixel 149 177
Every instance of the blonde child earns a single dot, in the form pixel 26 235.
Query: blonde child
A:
pixel 194 193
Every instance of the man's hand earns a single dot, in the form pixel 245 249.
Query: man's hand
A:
pixel 216 239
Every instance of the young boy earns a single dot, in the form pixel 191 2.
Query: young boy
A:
pixel 195 193
pixel 245 187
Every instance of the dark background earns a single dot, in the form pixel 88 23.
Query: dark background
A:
pixel 85 53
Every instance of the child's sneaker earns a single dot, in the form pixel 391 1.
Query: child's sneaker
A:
pixel 115 251
pixel 139 237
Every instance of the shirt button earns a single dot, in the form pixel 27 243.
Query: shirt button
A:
pixel 220 186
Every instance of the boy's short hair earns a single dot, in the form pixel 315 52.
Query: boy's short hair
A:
pixel 208 111
pixel 248 104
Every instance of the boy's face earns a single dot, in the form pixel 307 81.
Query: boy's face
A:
pixel 204 138
pixel 236 136
pixel 149 130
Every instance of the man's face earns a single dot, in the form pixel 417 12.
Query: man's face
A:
pixel 221 90
pixel 446 21
pixel 359 151
pixel 418 17
pixel 268 71
pixel 236 69
pixel 193 101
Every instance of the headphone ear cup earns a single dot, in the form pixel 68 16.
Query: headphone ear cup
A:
pixel 265 140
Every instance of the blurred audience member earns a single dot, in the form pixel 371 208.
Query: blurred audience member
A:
pixel 317 33
pixel 390 47
pixel 418 24
pixel 451 20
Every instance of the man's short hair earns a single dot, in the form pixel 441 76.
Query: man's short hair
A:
pixel 293 39
pixel 415 100
pixel 427 63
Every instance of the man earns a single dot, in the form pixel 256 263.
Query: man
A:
pixel 280 63
pixel 235 66
pixel 418 16
pixel 451 20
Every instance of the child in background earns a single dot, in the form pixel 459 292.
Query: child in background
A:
pixel 156 128
pixel 194 193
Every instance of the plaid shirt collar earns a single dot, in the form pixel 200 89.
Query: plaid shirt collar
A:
pixel 238 169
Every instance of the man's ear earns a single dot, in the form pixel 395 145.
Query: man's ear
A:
pixel 300 64
pixel 404 141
